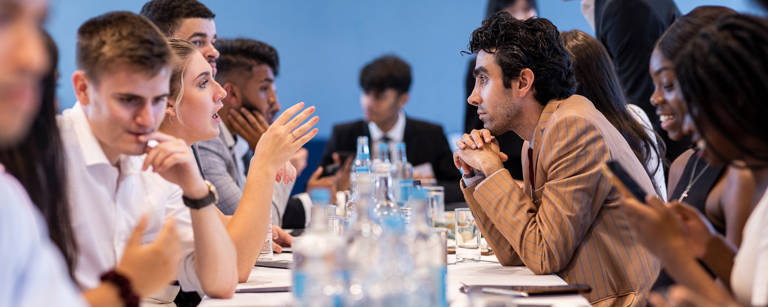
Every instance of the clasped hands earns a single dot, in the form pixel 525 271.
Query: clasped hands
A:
pixel 479 151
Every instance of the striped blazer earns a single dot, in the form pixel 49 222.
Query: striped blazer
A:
pixel 571 222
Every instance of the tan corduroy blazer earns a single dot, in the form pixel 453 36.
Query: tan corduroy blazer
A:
pixel 572 224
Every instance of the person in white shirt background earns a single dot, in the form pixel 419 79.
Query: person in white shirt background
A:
pixel 122 87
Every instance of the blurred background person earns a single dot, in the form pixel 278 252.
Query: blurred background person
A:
pixel 596 79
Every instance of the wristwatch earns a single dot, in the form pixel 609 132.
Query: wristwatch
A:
pixel 211 198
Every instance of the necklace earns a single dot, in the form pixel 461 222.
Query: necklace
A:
pixel 694 177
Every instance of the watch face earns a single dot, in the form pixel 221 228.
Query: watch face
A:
pixel 212 189
pixel 211 198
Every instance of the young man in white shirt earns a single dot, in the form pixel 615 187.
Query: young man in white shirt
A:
pixel 122 169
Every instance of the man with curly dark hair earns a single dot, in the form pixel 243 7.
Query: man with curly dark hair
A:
pixel 563 218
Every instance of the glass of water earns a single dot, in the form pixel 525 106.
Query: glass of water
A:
pixel 467 235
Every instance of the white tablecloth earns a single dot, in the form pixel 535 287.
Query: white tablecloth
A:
pixel 487 271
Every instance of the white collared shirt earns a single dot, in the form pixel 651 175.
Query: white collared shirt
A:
pixel 239 148
pixel 107 203
pixel 395 134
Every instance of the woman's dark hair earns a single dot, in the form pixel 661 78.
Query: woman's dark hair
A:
pixel 535 44
pixel 723 76
pixel 597 80
pixel 687 26
pixel 38 163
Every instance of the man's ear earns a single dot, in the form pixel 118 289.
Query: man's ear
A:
pixel 525 82
pixel 170 107
pixel 402 99
pixel 233 94
pixel 81 84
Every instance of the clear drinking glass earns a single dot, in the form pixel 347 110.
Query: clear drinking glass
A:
pixel 467 235
pixel 437 206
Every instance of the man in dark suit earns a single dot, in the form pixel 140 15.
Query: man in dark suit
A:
pixel 629 30
pixel 385 83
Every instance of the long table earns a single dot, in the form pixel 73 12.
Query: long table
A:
pixel 485 271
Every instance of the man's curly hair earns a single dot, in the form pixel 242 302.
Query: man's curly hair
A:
pixel 534 43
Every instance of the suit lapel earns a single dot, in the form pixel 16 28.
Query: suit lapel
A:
pixel 541 127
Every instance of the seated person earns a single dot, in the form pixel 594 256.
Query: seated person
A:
pixel 192 21
pixel 37 160
pixel 385 83
pixel 709 188
pixel 720 192
pixel 124 171
pixel 192 115
pixel 510 143
pixel 597 81
pixel 565 217
pixel 733 48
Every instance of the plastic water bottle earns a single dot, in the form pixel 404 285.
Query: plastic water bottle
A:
pixel 387 212
pixel 319 260
pixel 402 179
pixel 427 283
pixel 381 163
pixel 362 244
pixel 266 252
pixel 360 167
pixel 363 155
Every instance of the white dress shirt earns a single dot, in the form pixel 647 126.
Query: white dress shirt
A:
pixel 107 203
pixel 654 163
pixel 395 134
pixel 32 270
pixel 748 279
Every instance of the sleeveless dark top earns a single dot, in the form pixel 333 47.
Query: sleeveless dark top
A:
pixel 697 195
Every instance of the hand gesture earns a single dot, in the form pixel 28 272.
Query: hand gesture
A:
pixel 250 125
pixel 656 225
pixel 328 182
pixel 151 267
pixel 280 239
pixel 342 175
pixel 286 174
pixel 284 137
pixel 172 159
pixel 697 231
pixel 479 150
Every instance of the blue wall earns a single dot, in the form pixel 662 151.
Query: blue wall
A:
pixel 323 44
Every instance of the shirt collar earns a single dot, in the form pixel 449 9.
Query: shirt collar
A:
pixel 229 138
pixel 395 134
pixel 90 148
pixel 92 152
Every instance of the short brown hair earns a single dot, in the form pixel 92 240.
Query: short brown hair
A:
pixel 121 38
